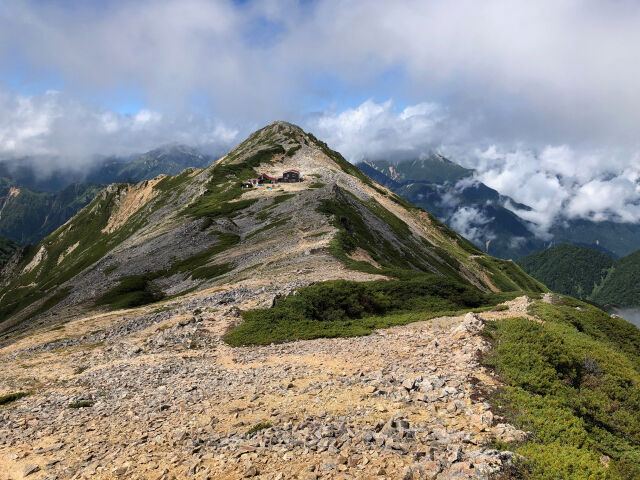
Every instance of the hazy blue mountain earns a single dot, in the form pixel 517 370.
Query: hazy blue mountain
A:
pixel 470 207
pixel 168 160
pixel 36 175
pixel 619 238
pixel 432 169
pixel 480 213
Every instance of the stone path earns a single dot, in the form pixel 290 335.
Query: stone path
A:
pixel 168 399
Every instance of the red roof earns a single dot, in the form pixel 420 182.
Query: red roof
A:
pixel 264 175
pixel 292 170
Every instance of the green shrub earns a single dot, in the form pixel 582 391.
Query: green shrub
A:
pixel 109 269
pixel 132 291
pixel 224 242
pixel 574 381
pixel 211 271
pixel 137 290
pixel 51 302
pixel 278 223
pixel 12 397
pixel 81 404
pixel 344 308
pixel 258 427
pixel 282 198
pixel 293 150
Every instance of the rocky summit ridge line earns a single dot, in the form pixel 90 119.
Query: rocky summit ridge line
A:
pixel 116 357
pixel 199 230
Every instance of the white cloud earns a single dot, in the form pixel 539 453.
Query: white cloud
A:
pixel 375 130
pixel 540 97
pixel 557 182
pixel 470 223
pixel 546 72
pixel 55 125
pixel 563 183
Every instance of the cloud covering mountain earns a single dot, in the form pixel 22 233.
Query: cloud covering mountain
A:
pixel 541 98
pixel 557 181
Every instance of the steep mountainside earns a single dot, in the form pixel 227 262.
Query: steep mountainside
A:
pixel 621 286
pixel 486 217
pixel 7 250
pixel 27 216
pixel 568 269
pixel 450 192
pixel 138 243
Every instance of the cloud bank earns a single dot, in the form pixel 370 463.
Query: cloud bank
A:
pixel 556 181
pixel 57 126
pixel 551 71
pixel 540 97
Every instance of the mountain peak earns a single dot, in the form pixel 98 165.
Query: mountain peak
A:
pixel 169 236
pixel 279 131
pixel 283 125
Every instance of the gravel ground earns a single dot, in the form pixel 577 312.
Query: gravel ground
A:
pixel 170 400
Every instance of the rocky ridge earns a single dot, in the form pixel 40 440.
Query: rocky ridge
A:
pixel 160 227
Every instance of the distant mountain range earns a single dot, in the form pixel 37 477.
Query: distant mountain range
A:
pixel 167 160
pixel 486 217
pixel 587 274
pixel 33 205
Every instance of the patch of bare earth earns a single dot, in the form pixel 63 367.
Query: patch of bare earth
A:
pixel 131 200
pixel 363 256
pixel 170 400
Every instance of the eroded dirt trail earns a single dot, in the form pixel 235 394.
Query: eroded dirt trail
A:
pixel 171 400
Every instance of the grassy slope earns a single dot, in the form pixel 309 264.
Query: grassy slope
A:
pixel 574 381
pixel 568 269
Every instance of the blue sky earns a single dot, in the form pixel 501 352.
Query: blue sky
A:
pixel 540 97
